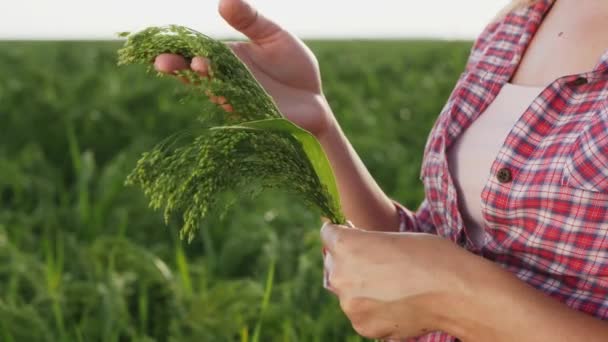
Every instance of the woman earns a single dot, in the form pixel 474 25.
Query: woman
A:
pixel 511 241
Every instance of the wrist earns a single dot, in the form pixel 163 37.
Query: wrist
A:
pixel 329 136
pixel 331 129
pixel 462 308
pixel 476 308
pixel 438 312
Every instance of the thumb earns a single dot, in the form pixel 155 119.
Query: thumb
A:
pixel 246 19
pixel 336 237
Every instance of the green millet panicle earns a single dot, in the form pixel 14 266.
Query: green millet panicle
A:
pixel 253 149
pixel 231 78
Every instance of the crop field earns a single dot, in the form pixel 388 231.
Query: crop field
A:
pixel 83 258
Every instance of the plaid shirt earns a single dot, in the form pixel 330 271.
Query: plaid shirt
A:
pixel 545 204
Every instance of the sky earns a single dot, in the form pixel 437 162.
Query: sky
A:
pixel 102 19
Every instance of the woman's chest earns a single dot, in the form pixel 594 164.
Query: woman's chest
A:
pixel 569 41
pixel 545 204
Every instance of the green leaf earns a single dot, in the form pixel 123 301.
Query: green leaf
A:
pixel 311 147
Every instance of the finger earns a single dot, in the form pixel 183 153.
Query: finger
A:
pixel 201 66
pixel 246 19
pixel 328 262
pixel 327 271
pixel 169 63
pixel 220 101
pixel 211 97
pixel 227 107
pixel 334 237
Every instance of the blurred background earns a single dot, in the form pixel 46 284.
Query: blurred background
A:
pixel 82 257
pixel 313 19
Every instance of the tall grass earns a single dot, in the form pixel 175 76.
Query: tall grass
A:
pixel 82 258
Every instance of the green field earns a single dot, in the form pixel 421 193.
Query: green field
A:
pixel 82 258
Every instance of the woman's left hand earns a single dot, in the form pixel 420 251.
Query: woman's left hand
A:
pixel 395 285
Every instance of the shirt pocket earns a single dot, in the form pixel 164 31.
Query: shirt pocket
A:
pixel 579 223
pixel 586 166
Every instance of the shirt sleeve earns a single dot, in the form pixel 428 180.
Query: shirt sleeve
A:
pixel 415 222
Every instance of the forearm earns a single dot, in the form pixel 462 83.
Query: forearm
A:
pixel 364 203
pixel 501 307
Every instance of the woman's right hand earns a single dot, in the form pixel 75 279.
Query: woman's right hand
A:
pixel 280 62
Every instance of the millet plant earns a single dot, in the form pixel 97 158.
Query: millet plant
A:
pixel 242 152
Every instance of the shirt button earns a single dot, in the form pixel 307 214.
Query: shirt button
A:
pixel 504 175
pixel 580 81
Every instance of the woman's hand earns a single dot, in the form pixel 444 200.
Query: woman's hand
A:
pixel 282 64
pixel 392 285
pixel 396 285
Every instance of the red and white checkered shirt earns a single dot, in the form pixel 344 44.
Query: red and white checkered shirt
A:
pixel 545 205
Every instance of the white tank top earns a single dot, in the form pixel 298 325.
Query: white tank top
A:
pixel 471 156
